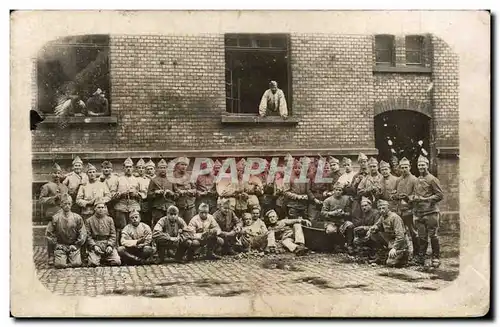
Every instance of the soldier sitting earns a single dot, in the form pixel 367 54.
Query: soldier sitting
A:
pixel 254 233
pixel 136 241
pixel 67 234
pixel 369 216
pixel 337 212
pixel 167 234
pixel 206 232
pixel 230 226
pixel 388 233
pixel 101 240
pixel 288 231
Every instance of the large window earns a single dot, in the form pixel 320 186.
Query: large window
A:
pixel 74 68
pixel 252 61
pixel 414 46
pixel 384 50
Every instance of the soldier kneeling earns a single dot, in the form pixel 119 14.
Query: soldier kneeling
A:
pixel 388 234
pixel 136 241
pixel 168 237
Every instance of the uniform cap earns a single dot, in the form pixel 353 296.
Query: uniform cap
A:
pixel 91 167
pixel 162 162
pixel 423 159
pixel 362 156
pixel 56 167
pixel 372 161
pixel 128 161
pixel 140 163
pixel 106 164
pixel 365 199
pixel 384 164
pixel 404 161
pixel 77 160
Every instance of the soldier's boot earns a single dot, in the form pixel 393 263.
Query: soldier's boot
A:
pixel 435 262
pixel 212 256
pixel 380 257
pixel 301 250
pixel 179 255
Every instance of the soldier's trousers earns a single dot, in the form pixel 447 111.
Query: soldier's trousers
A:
pixel 427 227
pixel 212 242
pixel 187 213
pixel 133 255
pixel 412 231
pixel 314 211
pixel 345 231
pixel 259 242
pixel 296 212
pixel 95 259
pixel 398 261
pixel 165 244
pixel 290 238
pixel 63 258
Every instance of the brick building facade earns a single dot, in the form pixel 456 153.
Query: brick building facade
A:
pixel 168 98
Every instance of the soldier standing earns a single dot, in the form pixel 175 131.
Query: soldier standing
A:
pixel 297 193
pixel 150 169
pixel 50 198
pixel 370 185
pixel 205 189
pixel 143 191
pixel 346 178
pixel 127 196
pixel 427 194
pixel 94 190
pixel 318 193
pixel 161 193
pixel 111 180
pixel 404 189
pixel 185 190
pixel 352 189
pixel 74 180
pixel 388 184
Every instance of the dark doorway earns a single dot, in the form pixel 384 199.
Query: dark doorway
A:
pixel 402 133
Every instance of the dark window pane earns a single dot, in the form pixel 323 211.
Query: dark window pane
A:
pixel 278 42
pixel 414 42
pixel 244 41
pixel 231 42
pixel 385 42
pixel 383 56
pixel 263 42
pixel 413 57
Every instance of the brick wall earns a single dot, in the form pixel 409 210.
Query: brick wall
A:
pixel 401 85
pixel 168 93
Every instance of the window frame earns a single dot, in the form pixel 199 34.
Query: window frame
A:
pixel 254 47
pixel 391 50
pixel 413 50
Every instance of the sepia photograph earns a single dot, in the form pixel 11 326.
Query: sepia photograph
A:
pixel 238 163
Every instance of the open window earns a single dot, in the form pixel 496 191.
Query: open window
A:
pixel 252 61
pixel 74 68
pixel 384 50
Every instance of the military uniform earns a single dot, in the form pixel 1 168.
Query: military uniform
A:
pixel 206 191
pixel 352 189
pixel 370 186
pixel 164 199
pixel 362 225
pixel 229 224
pixel 65 230
pixel 289 232
pixel 167 237
pixel 405 187
pixel 136 243
pixel 205 233
pixel 427 194
pixel 388 187
pixel 73 181
pixel 186 194
pixel 128 198
pixel 111 181
pixel 347 177
pixel 91 192
pixel 297 195
pixel 336 211
pixel 253 236
pixel 318 192
pixel 101 233
pixel 143 192
pixel 389 233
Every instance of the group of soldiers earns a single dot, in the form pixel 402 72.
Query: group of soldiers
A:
pixel 109 219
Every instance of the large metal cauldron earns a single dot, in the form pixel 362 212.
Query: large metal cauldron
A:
pixel 317 239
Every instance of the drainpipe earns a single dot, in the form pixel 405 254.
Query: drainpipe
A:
pixel 432 144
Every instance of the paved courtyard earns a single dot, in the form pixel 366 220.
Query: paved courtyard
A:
pixel 269 275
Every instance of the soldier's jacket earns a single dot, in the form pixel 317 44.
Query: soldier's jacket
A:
pixel 111 182
pixel 370 187
pixel 125 202
pixel 200 226
pixel 346 178
pixel 316 190
pixel 392 230
pixel 367 218
pixel 187 200
pixel 167 229
pixel 227 222
pixel 427 186
pixel 352 189
pixel 294 189
pixel 405 186
pixel 258 227
pixel 90 192
pixel 100 231
pixel 50 197
pixel 142 232
pixel 342 205
pixel 159 201
pixel 73 182
pixel 206 183
pixel 388 187
pixel 66 230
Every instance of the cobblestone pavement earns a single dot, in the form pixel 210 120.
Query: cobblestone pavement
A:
pixel 276 275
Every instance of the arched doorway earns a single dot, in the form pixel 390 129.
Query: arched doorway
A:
pixel 402 133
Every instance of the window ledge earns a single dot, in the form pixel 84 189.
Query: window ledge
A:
pixel 250 119
pixel 451 151
pixel 403 69
pixel 52 120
